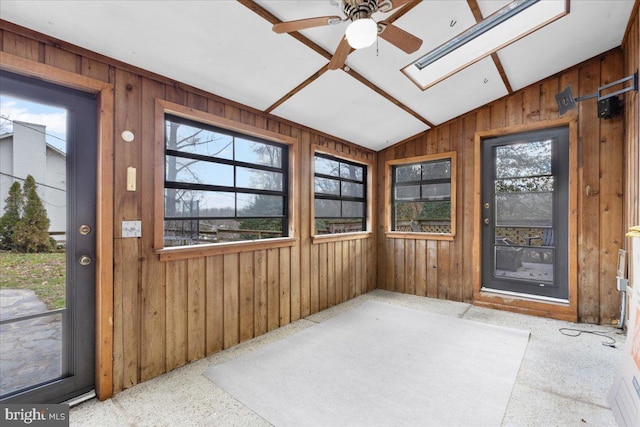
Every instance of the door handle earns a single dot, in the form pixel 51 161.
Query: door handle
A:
pixel 486 221
pixel 85 260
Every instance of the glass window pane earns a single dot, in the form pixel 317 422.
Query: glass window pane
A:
pixel 194 203
pixel 524 209
pixel 408 173
pixel 424 217
pixel 517 185
pixel 259 205
pixel 35 345
pixel 258 179
pixel 198 232
pixel 516 262
pixel 179 169
pixel 190 139
pixel 351 171
pixel 435 211
pixel 524 159
pixel 408 192
pixel 258 153
pixel 436 170
pixel 326 166
pixel 436 191
pixel 353 209
pixel 335 226
pixel 327 208
pixel 327 186
pixel 351 189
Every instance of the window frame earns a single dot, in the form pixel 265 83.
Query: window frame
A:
pixel 368 167
pixel 390 197
pixel 165 108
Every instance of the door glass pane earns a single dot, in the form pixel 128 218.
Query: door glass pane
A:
pixel 523 159
pixel 524 209
pixel 33 205
pixel 524 263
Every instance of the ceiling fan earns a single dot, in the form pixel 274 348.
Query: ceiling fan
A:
pixel 362 31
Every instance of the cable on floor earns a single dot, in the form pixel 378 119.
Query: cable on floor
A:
pixel 570 332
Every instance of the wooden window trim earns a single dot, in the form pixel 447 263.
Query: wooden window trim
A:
pixel 104 202
pixel 561 311
pixel 389 233
pixel 327 238
pixel 162 108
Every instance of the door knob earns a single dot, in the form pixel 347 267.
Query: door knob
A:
pixel 85 260
pixel 84 229
pixel 486 221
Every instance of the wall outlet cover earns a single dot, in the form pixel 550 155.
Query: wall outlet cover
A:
pixel 131 229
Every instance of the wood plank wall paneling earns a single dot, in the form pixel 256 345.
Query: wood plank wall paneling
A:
pixel 167 314
pixel 631 49
pixel 448 272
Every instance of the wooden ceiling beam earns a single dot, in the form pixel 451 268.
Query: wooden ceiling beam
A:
pixel 477 14
pixel 269 17
pixel 272 19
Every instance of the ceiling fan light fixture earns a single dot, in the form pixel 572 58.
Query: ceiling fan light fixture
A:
pixel 362 33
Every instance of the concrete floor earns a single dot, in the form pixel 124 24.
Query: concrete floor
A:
pixel 563 381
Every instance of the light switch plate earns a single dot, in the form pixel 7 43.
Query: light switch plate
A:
pixel 131 179
pixel 131 229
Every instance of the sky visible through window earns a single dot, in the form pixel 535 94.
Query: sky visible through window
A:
pixel 54 118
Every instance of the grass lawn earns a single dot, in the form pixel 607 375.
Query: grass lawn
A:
pixel 42 273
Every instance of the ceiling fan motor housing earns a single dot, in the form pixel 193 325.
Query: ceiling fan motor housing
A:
pixel 359 9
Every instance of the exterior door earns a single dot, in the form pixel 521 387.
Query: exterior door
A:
pixel 525 193
pixel 47 297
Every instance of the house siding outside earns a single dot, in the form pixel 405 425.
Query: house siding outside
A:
pixel 26 152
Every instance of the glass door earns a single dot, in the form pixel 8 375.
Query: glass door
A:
pixel 47 241
pixel 525 213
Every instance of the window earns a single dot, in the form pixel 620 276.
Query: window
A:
pixel 340 195
pixel 423 195
pixel 221 185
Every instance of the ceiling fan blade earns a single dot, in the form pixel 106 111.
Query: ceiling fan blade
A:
pixel 401 39
pixel 301 24
pixel 340 55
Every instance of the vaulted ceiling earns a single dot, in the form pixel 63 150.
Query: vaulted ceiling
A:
pixel 228 48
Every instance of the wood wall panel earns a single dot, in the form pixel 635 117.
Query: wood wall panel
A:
pixel 449 271
pixel 169 313
pixel 631 48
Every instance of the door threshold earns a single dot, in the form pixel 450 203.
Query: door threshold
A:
pixel 79 399
pixel 526 296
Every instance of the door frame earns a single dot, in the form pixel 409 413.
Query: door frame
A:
pixel 563 311
pixel 104 197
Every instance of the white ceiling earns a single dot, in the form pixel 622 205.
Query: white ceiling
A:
pixel 225 48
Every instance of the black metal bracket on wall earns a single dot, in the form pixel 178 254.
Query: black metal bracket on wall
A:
pixel 608 105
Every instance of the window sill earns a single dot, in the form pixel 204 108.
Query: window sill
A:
pixel 196 251
pixel 328 238
pixel 419 236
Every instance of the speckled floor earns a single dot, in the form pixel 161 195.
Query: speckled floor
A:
pixel 563 381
